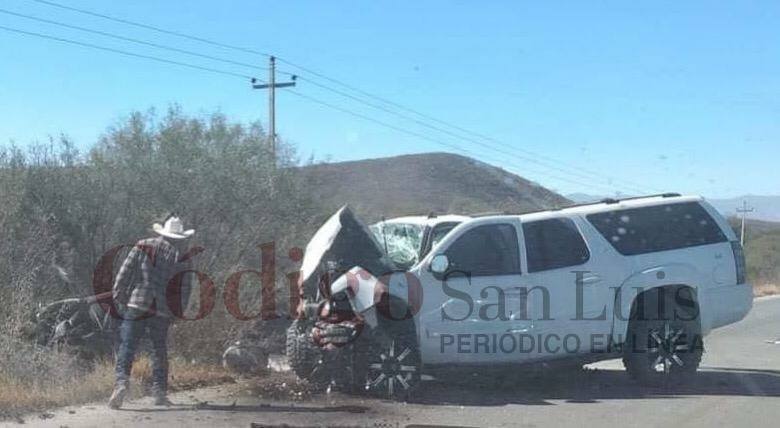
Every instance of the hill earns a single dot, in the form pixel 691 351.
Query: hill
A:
pixel 754 228
pixel 766 207
pixel 424 183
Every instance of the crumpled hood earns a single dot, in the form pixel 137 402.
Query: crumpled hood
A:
pixel 345 240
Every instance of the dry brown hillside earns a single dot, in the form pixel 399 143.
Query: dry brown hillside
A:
pixel 421 183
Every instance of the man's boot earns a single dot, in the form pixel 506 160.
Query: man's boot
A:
pixel 118 396
pixel 160 397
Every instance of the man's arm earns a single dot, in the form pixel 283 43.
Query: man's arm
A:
pixel 186 285
pixel 125 279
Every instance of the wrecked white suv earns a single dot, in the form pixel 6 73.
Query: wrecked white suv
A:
pixel 644 279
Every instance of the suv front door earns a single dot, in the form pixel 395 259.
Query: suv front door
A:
pixel 467 308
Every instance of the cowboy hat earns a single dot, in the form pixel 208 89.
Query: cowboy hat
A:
pixel 174 228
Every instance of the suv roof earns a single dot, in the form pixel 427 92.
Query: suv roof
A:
pixel 634 202
pixel 606 205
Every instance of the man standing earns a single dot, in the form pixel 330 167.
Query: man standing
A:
pixel 141 291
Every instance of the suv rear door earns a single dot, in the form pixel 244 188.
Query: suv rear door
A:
pixel 577 277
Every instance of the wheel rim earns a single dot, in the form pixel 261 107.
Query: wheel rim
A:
pixel 665 347
pixel 392 370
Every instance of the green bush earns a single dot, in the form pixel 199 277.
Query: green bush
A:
pixel 63 209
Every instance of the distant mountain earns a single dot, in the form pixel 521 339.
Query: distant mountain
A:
pixel 424 183
pixel 767 208
pixel 754 227
pixel 450 183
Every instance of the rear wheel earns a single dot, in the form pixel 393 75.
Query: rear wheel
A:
pixel 666 349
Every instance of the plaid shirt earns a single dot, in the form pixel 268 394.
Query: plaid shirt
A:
pixel 143 279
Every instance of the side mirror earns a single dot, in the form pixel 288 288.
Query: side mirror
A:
pixel 439 264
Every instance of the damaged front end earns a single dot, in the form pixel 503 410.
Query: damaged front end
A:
pixel 346 285
pixel 338 279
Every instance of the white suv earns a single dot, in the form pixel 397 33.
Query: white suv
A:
pixel 644 279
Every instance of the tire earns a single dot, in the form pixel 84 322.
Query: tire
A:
pixel 241 358
pixel 303 356
pixel 391 365
pixel 663 350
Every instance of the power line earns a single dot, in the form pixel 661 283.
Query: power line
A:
pixel 578 171
pixel 313 82
pixel 122 52
pixel 446 131
pixel 303 96
pixel 127 39
pixel 434 119
pixel 423 136
pixel 150 27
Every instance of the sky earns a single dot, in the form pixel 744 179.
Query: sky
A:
pixel 595 97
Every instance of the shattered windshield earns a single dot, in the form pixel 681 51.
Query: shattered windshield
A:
pixel 401 241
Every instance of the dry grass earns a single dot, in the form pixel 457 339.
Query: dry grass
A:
pixel 20 396
pixel 766 289
pixel 183 375
pixel 17 398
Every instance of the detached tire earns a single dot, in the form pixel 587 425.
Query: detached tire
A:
pixel 303 356
pixel 666 349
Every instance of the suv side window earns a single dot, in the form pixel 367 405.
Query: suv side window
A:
pixel 440 231
pixel 490 249
pixel 554 244
pixel 657 228
pixel 436 234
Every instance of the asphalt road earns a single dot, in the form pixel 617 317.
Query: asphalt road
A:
pixel 739 385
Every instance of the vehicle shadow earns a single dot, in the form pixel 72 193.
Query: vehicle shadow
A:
pixel 591 386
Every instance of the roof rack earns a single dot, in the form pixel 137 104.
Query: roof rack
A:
pixel 657 195
pixel 489 214
pixel 585 204
pixel 610 201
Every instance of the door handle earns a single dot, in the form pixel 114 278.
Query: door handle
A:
pixel 591 279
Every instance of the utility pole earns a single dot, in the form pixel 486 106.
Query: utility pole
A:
pixel 271 86
pixel 743 211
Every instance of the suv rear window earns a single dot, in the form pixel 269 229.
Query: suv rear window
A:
pixel 554 244
pixel 657 228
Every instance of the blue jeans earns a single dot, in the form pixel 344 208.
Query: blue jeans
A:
pixel 131 332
